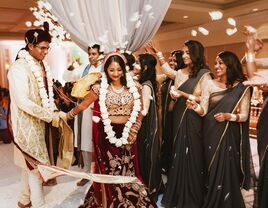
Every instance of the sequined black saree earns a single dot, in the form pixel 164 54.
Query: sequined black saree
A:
pixel 227 152
pixel 185 182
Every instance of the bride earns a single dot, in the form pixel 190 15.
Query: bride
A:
pixel 115 140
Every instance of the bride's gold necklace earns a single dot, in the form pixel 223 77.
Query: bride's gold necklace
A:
pixel 118 91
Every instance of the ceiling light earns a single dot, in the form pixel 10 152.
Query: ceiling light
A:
pixel 216 15
pixel 231 21
pixel 203 30
pixel 231 31
pixel 255 9
pixel 185 17
pixel 194 33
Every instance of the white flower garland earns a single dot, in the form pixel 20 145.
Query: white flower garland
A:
pixel 47 99
pixel 105 115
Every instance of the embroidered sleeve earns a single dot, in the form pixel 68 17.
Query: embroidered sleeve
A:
pixel 201 84
pixel 244 106
pixel 180 78
pixel 204 99
pixel 161 78
pixel 18 84
pixel 146 98
pixel 168 71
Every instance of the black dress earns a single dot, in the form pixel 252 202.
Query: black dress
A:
pixel 262 140
pixel 185 182
pixel 167 124
pixel 149 149
pixel 227 152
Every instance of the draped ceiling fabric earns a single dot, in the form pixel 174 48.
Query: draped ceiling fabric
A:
pixel 124 24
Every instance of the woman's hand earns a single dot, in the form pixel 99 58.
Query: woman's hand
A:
pixel 133 132
pixel 220 117
pixel 191 104
pixel 150 45
pixel 174 94
pixel 253 43
pixel 132 137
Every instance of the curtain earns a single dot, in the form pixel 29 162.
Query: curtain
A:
pixel 124 24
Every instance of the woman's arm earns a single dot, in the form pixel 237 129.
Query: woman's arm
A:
pixel 136 126
pixel 242 111
pixel 202 84
pixel 253 44
pixel 201 108
pixel 90 98
pixel 165 66
pixel 146 99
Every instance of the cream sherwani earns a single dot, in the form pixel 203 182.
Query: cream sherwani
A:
pixel 27 115
pixel 28 119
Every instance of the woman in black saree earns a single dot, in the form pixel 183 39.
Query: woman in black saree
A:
pixel 148 136
pixel 185 187
pixel 226 103
pixel 176 63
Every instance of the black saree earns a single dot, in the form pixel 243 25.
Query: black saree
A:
pixel 185 186
pixel 167 122
pixel 262 139
pixel 227 152
pixel 149 148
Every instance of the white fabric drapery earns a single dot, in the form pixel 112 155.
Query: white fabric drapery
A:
pixel 124 24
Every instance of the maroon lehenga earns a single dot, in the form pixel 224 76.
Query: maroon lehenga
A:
pixel 112 160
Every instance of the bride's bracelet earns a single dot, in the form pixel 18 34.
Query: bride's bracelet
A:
pixel 70 115
pixel 135 127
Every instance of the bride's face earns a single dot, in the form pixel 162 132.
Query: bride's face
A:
pixel 115 72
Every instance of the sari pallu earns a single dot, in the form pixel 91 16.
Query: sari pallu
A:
pixel 262 139
pixel 185 188
pixel 149 148
pixel 167 123
pixel 114 160
pixel 227 151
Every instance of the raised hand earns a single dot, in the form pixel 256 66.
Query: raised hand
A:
pixel 253 43
pixel 152 47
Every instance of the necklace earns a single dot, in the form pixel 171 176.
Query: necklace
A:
pixel 108 129
pixel 118 91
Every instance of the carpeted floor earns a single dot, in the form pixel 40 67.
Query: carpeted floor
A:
pixel 65 194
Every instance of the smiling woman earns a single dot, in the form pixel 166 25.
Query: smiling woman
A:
pixel 225 101
pixel 115 137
